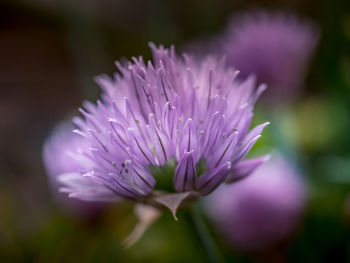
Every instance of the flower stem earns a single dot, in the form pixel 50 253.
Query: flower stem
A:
pixel 202 233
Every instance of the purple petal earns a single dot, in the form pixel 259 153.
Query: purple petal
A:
pixel 244 168
pixel 188 141
pixel 224 152
pixel 185 174
pixel 255 132
pixel 213 133
pixel 244 149
pixel 207 182
pixel 163 149
pixel 141 177
pixel 257 94
pixel 139 146
pixel 134 117
pixel 248 142
pixel 85 188
pixel 169 120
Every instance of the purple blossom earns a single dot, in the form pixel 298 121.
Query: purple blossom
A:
pixel 261 210
pixel 190 119
pixel 275 47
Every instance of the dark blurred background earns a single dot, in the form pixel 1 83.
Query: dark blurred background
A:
pixel 50 50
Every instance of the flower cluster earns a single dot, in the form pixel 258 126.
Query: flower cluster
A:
pixel 188 119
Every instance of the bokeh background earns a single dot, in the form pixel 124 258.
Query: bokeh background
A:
pixel 50 50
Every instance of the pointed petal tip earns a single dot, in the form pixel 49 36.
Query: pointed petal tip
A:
pixel 266 157
pixel 151 44
pixel 174 216
pixel 246 167
pixel 63 190
pixel 172 201
pixel 262 87
pixel 264 125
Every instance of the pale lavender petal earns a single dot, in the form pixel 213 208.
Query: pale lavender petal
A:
pixel 85 188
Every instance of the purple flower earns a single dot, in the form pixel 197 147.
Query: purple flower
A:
pixel 63 154
pixel 171 119
pixel 261 210
pixel 275 47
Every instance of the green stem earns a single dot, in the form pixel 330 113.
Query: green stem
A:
pixel 202 233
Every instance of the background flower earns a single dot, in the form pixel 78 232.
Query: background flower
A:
pixel 261 210
pixel 276 47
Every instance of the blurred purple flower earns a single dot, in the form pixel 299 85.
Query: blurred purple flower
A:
pixel 261 210
pixel 275 47
pixel 62 153
pixel 175 115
